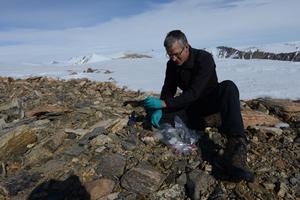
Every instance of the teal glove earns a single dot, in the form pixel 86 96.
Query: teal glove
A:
pixel 152 102
pixel 155 118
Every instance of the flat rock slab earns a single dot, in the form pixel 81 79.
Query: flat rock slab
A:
pixel 250 118
pixel 253 118
pixel 112 165
pixel 16 141
pixel 54 109
pixel 75 150
pixel 143 179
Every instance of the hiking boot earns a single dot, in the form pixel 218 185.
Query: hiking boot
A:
pixel 235 160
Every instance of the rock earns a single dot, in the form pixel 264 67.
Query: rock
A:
pixel 12 185
pixel 174 192
pixel 199 184
pixel 219 194
pixel 47 109
pixel 182 179
pixel 14 103
pixel 250 118
pixel 49 168
pixel 286 109
pixel 130 143
pixel 143 179
pixel 2 123
pixel 81 141
pixel 293 181
pixel 280 164
pixel 282 190
pixel 102 124
pixel 120 124
pixel 85 139
pixel 269 186
pixel 41 122
pixel 111 196
pixel 74 150
pixel 16 141
pixel 80 131
pixel 297 139
pixel 101 140
pixel 272 130
pixel 254 118
pixel 54 141
pixel 281 105
pixel 99 188
pixel 112 165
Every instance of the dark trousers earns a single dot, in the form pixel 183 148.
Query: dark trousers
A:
pixel 223 99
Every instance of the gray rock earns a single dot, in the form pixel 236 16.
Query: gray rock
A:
pixel 91 135
pixel 111 165
pixel 297 139
pixel 199 184
pixel 12 185
pixel 293 181
pixel 143 179
pixel 74 150
pixel 2 123
pixel 176 192
pixel 182 179
pixel 41 122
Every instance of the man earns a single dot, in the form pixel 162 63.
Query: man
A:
pixel 193 71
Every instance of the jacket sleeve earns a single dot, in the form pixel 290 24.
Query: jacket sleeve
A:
pixel 169 88
pixel 204 72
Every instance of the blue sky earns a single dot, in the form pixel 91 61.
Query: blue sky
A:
pixel 62 14
pixel 43 30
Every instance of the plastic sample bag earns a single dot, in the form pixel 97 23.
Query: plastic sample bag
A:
pixel 180 137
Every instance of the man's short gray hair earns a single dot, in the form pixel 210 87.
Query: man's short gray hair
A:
pixel 173 36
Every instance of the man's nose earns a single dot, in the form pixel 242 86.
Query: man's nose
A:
pixel 174 58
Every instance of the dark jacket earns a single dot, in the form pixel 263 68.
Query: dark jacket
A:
pixel 196 78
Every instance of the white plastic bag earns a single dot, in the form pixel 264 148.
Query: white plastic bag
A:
pixel 180 137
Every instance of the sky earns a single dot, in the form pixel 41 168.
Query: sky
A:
pixel 46 30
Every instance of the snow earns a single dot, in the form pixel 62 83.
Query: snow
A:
pixel 254 78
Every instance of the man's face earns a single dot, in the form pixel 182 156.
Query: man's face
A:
pixel 177 54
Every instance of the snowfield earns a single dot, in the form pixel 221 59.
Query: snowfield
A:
pixel 255 78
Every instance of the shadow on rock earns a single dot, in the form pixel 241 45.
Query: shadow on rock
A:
pixel 209 152
pixel 69 189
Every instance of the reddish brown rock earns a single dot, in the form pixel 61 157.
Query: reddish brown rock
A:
pixel 46 109
pixel 100 188
pixel 250 118
pixel 253 118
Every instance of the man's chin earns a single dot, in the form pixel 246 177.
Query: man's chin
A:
pixel 178 63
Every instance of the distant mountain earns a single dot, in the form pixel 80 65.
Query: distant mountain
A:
pixel 87 59
pixel 279 51
pixel 94 58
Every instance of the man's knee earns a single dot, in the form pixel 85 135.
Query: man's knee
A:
pixel 229 87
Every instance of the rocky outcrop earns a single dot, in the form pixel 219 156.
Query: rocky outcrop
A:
pixel 228 52
pixel 77 139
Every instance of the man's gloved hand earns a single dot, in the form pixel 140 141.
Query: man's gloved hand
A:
pixel 152 102
pixel 155 118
